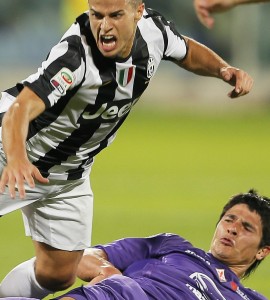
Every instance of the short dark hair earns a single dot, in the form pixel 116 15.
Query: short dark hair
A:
pixel 259 204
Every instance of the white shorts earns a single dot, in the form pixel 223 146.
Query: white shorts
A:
pixel 59 214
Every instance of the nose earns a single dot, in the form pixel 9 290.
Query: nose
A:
pixel 232 230
pixel 234 227
pixel 105 26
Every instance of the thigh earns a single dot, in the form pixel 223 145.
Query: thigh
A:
pixel 64 219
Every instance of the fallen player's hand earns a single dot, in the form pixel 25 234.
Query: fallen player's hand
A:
pixel 205 8
pixel 203 14
pixel 106 270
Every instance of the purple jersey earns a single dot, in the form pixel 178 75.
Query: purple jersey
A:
pixel 165 267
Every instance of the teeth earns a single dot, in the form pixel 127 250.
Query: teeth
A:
pixel 107 37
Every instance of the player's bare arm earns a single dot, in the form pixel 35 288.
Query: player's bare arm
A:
pixel 94 266
pixel 203 61
pixel 14 130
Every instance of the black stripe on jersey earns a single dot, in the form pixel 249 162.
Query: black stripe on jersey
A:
pixel 15 90
pixel 1 118
pixel 71 59
pixel 140 57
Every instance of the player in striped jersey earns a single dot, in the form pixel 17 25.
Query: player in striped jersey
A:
pixel 62 116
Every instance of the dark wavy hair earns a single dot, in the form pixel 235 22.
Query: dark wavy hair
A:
pixel 259 204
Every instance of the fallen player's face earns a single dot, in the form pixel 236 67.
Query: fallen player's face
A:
pixel 237 237
pixel 113 24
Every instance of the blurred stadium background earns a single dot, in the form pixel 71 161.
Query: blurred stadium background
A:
pixel 186 147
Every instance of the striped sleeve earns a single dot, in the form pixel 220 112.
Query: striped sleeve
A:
pixel 63 69
pixel 175 47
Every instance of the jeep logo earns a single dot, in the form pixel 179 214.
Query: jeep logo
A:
pixel 110 112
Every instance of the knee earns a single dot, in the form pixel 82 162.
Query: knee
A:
pixel 55 269
pixel 55 280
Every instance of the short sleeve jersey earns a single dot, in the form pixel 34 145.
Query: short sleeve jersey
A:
pixel 88 96
pixel 168 267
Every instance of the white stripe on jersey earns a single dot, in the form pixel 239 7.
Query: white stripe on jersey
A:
pixel 5 101
pixel 173 50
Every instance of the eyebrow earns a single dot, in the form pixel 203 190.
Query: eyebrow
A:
pixel 112 13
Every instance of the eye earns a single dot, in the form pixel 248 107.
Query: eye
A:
pixel 96 15
pixel 248 228
pixel 116 15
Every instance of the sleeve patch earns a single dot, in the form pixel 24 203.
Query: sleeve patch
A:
pixel 62 81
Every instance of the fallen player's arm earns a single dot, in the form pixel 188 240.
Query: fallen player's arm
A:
pixel 249 1
pixel 206 8
pixel 94 266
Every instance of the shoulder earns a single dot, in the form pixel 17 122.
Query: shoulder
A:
pixel 83 22
pixel 173 241
pixel 158 20
pixel 153 14
pixel 162 34
pixel 77 29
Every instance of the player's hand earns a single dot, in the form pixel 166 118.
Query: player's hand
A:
pixel 16 174
pixel 241 81
pixel 205 8
pixel 94 266
pixel 106 271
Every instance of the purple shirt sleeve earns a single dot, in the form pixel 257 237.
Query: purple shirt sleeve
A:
pixel 122 253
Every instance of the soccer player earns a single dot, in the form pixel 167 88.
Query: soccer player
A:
pixel 168 267
pixel 59 118
pixel 205 8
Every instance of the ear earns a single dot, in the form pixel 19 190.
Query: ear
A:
pixel 139 12
pixel 263 252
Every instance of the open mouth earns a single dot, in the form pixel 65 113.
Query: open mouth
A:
pixel 108 42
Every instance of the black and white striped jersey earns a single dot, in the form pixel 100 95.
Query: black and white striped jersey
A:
pixel 88 96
